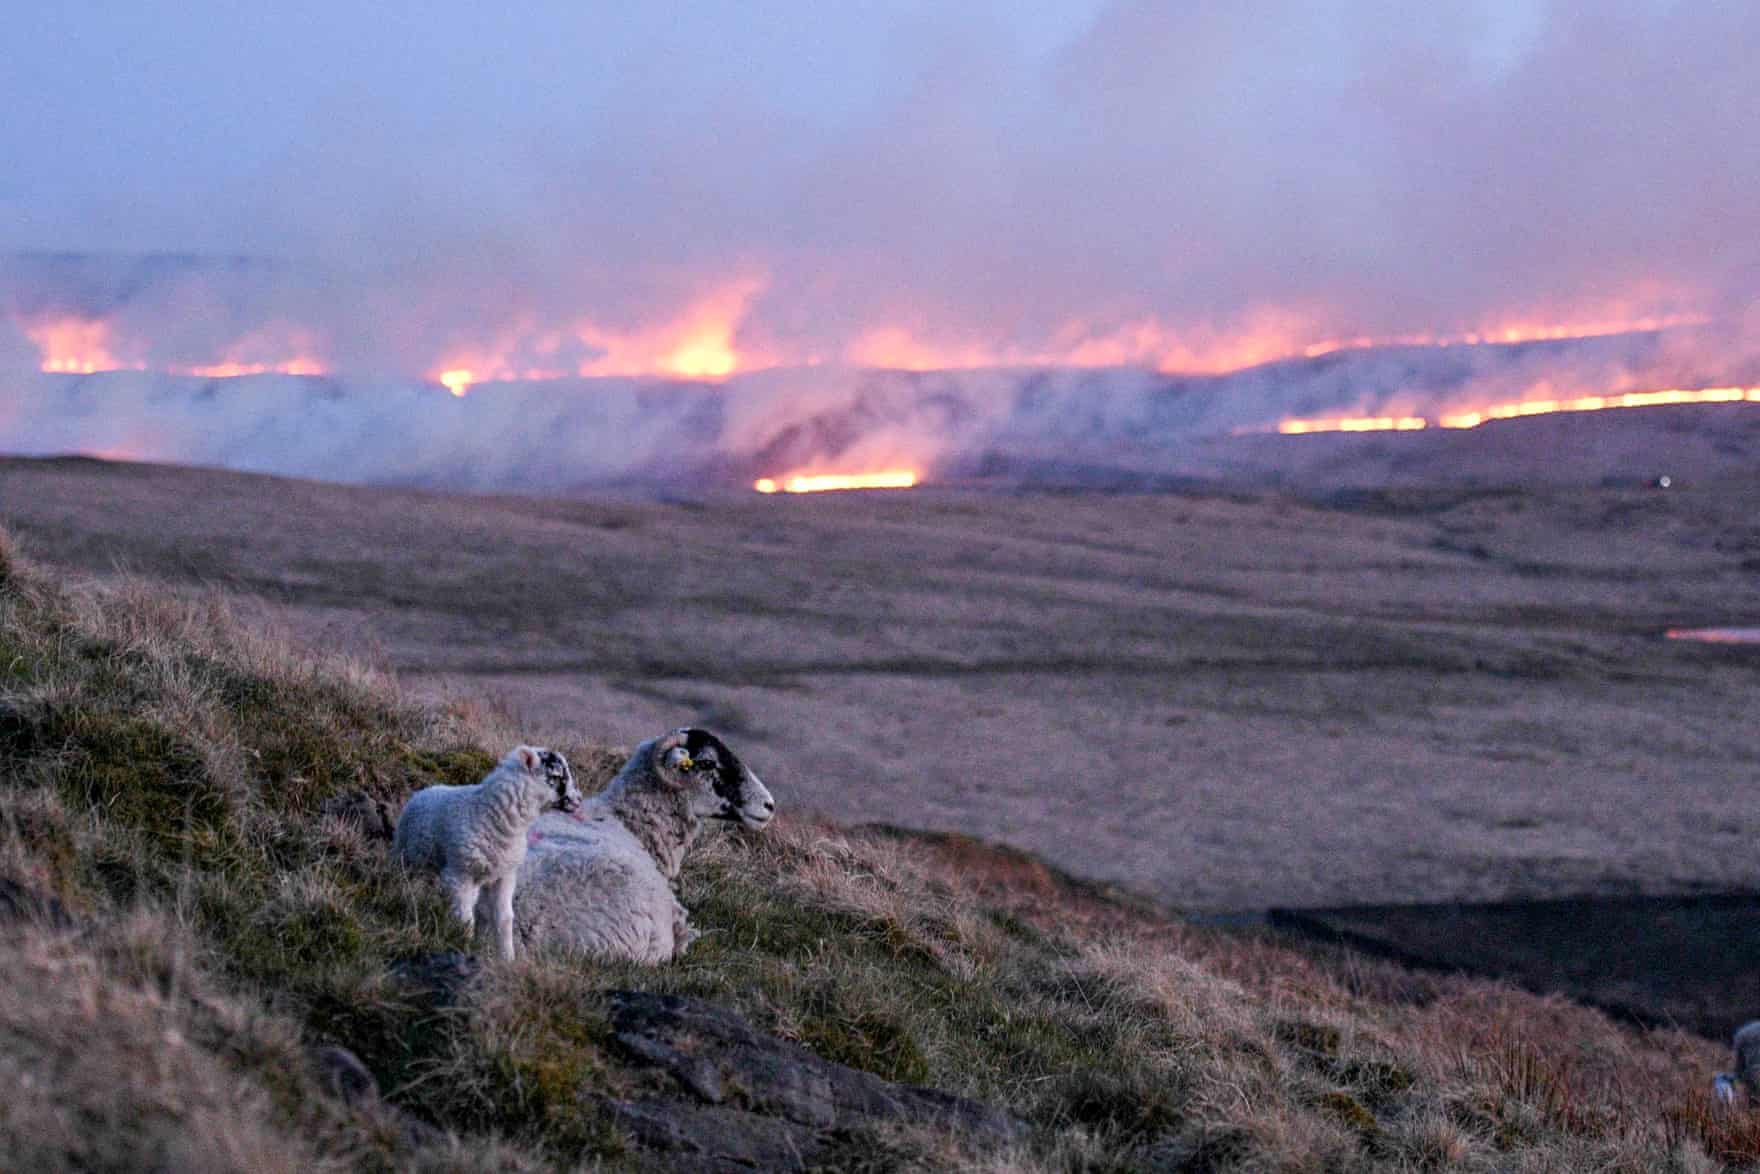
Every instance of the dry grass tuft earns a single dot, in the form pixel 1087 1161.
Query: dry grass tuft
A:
pixel 1730 1135
pixel 116 1057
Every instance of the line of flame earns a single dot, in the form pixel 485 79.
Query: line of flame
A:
pixel 82 346
pixel 1521 408
pixel 703 340
pixel 822 482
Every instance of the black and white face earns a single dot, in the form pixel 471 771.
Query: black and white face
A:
pixel 720 785
pixel 558 780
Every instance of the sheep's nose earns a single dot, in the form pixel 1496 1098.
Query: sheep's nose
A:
pixel 769 805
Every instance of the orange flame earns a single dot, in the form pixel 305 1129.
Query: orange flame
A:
pixel 698 344
pixel 463 369
pixel 458 380
pixel 1265 336
pixel 822 482
pixel 231 369
pixel 1354 424
pixel 83 346
pixel 1521 408
pixel 73 346
pixel 703 341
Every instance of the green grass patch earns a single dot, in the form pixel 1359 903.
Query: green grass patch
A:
pixel 143 775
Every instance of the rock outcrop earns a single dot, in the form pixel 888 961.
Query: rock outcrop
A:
pixel 751 1100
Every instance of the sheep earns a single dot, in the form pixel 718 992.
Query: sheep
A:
pixel 600 881
pixel 1746 1046
pixel 475 836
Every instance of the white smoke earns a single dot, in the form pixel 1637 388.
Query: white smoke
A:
pixel 559 436
pixel 966 172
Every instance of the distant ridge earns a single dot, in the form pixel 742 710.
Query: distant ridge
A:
pixel 1115 430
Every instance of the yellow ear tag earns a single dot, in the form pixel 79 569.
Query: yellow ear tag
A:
pixel 686 763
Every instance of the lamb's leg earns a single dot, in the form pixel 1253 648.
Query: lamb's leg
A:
pixel 682 932
pixel 464 898
pixel 502 894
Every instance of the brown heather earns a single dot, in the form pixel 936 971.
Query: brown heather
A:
pixel 189 926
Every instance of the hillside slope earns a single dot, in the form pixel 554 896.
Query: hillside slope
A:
pixel 181 926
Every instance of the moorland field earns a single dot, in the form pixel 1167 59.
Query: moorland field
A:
pixel 1221 701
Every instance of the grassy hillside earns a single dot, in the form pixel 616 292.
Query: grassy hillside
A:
pixel 180 926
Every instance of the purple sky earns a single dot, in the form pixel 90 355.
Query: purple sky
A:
pixel 962 172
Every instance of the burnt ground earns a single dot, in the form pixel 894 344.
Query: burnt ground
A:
pixel 1689 962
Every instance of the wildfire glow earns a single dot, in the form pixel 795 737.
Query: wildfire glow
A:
pixel 821 482
pixel 458 380
pixel 1262 338
pixel 696 343
pixel 706 336
pixel 1355 424
pixel 73 346
pixel 1509 333
pixel 1520 408
pixel 232 370
pixel 84 346
pixel 518 353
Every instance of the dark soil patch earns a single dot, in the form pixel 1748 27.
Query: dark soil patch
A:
pixel 1689 962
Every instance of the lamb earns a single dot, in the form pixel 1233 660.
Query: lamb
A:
pixel 599 881
pixel 1747 1074
pixel 475 836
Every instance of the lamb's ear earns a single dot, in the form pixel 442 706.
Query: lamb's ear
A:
pixel 528 757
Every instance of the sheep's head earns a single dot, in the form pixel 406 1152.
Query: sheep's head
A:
pixel 720 786
pixel 550 771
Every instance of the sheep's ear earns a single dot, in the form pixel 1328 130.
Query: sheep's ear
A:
pixel 670 758
pixel 528 757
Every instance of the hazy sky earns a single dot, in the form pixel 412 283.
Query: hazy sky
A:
pixel 961 170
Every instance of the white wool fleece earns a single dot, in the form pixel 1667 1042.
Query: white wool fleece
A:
pixel 600 882
pixel 475 836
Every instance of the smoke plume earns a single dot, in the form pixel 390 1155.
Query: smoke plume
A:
pixel 1186 186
